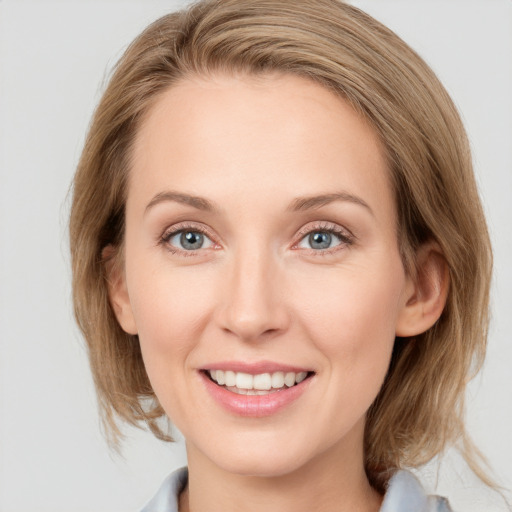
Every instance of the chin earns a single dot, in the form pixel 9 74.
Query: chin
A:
pixel 260 459
pixel 259 467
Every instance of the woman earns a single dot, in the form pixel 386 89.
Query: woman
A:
pixel 277 242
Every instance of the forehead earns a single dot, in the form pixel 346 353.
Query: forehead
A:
pixel 279 133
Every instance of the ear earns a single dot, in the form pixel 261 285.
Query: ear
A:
pixel 425 293
pixel 117 289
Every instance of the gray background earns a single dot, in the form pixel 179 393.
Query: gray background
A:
pixel 54 57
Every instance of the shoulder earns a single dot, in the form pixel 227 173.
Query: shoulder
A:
pixel 166 499
pixel 405 494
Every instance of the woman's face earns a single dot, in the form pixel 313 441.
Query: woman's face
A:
pixel 261 244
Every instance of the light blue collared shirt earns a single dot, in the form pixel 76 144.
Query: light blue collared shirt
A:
pixel 404 494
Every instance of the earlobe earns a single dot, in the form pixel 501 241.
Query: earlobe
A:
pixel 117 290
pixel 425 293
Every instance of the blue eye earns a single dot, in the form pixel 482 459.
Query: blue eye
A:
pixel 320 240
pixel 323 239
pixel 188 240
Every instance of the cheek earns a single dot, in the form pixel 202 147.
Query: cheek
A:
pixel 170 307
pixel 351 318
pixel 351 322
pixel 170 310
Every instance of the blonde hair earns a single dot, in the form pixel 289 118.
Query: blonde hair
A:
pixel 420 408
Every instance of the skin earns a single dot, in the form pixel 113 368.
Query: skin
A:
pixel 258 290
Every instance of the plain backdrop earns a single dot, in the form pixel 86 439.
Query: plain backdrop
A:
pixel 54 60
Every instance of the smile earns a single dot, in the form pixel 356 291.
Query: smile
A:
pixel 260 384
pixel 255 394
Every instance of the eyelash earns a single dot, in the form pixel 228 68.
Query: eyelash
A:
pixel 345 237
pixel 181 228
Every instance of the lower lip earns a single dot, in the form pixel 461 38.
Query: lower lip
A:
pixel 254 405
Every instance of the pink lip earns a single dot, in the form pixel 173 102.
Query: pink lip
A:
pixel 253 405
pixel 254 368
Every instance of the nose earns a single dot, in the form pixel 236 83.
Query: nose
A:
pixel 253 306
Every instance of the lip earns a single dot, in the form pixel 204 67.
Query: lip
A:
pixel 255 406
pixel 255 368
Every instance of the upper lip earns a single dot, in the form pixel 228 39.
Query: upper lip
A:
pixel 255 368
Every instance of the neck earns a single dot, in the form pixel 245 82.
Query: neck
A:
pixel 334 481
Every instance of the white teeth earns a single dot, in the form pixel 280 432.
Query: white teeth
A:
pixel 229 378
pixel 289 379
pixel 220 377
pixel 301 376
pixel 263 382
pixel 277 380
pixel 246 383
pixel 241 391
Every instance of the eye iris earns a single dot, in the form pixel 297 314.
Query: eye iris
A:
pixel 320 240
pixel 191 240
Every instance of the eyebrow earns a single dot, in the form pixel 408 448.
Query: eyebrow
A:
pixel 298 204
pixel 311 202
pixel 195 201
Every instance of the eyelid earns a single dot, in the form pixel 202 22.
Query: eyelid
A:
pixel 346 236
pixel 173 230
